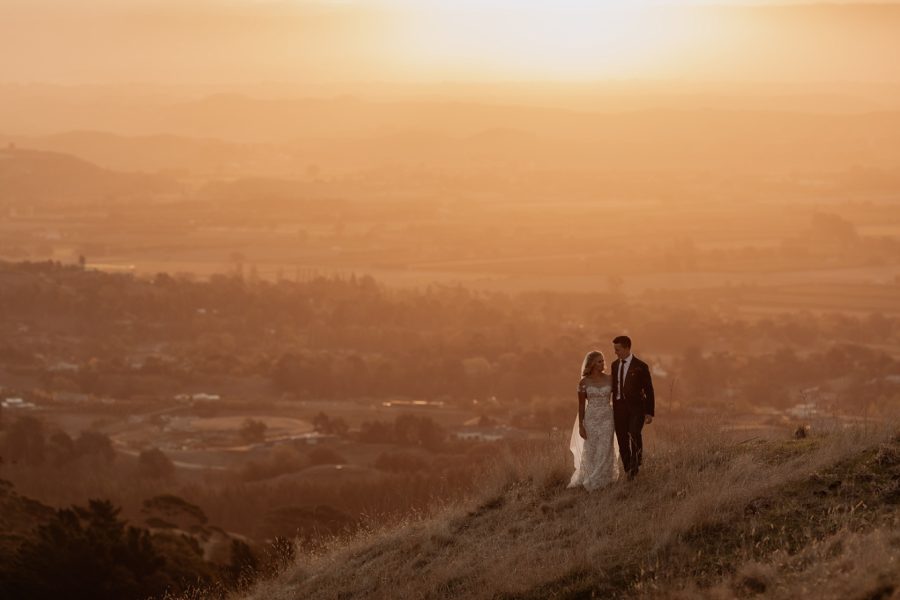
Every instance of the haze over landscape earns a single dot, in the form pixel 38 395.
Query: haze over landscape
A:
pixel 293 296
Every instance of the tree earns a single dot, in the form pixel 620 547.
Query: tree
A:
pixel 154 464
pixel 94 443
pixel 253 431
pixel 61 448
pixel 832 227
pixel 376 432
pixel 325 456
pixel 399 462
pixel 25 441
pixel 173 511
pixel 328 425
pixel 241 569
pixel 87 553
pixel 419 431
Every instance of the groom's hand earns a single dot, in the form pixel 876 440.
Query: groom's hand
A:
pixel 583 432
pixel 648 419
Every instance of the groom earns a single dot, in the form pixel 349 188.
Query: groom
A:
pixel 632 392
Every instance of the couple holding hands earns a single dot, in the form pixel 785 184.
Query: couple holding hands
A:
pixel 612 410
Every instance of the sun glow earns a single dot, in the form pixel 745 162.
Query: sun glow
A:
pixel 570 39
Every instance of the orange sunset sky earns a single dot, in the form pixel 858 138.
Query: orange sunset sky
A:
pixel 241 41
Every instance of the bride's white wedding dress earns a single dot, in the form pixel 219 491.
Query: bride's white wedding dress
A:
pixel 597 457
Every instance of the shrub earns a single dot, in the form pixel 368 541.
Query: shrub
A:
pixel 325 456
pixel 253 431
pixel 282 460
pixel 154 464
pixel 87 553
pixel 400 462
pixel 93 443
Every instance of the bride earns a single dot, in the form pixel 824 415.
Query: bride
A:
pixel 593 443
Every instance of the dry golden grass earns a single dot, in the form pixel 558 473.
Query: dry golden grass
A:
pixel 709 515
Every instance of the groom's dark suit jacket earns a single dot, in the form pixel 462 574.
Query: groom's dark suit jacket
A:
pixel 637 389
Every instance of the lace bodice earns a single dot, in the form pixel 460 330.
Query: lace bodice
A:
pixel 597 393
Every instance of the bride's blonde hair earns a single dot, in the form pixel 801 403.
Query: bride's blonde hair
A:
pixel 589 359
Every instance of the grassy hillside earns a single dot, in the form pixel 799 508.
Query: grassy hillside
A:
pixel 711 515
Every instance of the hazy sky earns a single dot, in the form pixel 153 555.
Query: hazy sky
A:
pixel 208 41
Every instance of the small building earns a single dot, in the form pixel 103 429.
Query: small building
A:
pixel 310 438
pixel 18 404
pixel 198 397
pixel 63 367
pixel 413 404
pixel 804 410
pixel 488 434
pixel 479 434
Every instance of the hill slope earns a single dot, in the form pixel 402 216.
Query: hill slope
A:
pixel 31 177
pixel 719 519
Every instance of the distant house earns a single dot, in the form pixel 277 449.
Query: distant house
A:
pixel 310 438
pixel 63 367
pixel 479 434
pixel 198 397
pixel 488 434
pixel 413 404
pixel 803 411
pixel 18 403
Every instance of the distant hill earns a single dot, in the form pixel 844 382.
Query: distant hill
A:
pixel 148 111
pixel 49 178
pixel 350 132
pixel 691 140
pixel 236 135
pixel 713 518
pixel 137 153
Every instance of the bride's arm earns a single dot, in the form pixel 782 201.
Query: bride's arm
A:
pixel 582 396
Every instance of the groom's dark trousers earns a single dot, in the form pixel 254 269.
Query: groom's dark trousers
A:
pixel 636 401
pixel 628 423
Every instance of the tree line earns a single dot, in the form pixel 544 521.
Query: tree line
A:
pixel 351 338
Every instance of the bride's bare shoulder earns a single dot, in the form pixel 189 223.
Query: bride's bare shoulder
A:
pixel 603 380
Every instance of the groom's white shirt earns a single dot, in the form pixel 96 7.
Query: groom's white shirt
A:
pixel 624 371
